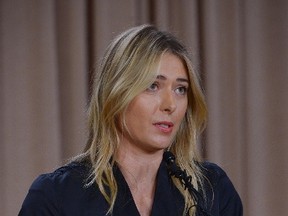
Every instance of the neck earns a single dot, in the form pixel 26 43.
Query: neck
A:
pixel 140 170
pixel 139 167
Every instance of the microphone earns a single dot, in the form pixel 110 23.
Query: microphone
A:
pixel 185 180
pixel 169 157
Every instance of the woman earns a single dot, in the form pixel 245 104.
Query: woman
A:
pixel 146 103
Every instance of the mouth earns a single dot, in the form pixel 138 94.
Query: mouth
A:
pixel 165 127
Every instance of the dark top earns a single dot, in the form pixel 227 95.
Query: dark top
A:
pixel 63 193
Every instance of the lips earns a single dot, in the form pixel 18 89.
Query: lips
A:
pixel 164 126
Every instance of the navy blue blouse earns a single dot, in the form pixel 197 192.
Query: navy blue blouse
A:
pixel 63 193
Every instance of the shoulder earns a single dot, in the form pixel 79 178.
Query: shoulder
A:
pixel 213 172
pixel 51 191
pixel 221 193
pixel 71 174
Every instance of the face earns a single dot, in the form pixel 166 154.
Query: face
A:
pixel 154 116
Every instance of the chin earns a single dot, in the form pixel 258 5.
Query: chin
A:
pixel 161 147
pixel 154 149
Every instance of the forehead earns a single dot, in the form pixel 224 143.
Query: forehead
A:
pixel 170 65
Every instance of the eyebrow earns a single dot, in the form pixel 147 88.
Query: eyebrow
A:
pixel 161 77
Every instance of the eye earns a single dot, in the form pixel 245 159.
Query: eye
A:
pixel 182 90
pixel 153 87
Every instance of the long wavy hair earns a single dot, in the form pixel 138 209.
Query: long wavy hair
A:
pixel 129 66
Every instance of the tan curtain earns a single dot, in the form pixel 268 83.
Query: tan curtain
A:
pixel 43 91
pixel 245 53
pixel 47 51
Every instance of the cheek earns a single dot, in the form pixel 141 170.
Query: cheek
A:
pixel 137 111
pixel 181 114
pixel 143 105
pixel 183 108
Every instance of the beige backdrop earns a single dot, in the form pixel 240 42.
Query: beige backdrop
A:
pixel 47 51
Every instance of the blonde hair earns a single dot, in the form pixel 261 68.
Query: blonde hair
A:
pixel 128 68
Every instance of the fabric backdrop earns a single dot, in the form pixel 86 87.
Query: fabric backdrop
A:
pixel 48 49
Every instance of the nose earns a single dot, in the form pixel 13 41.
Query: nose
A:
pixel 168 103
